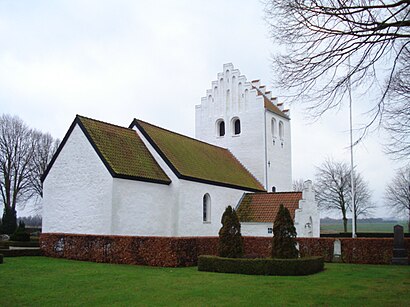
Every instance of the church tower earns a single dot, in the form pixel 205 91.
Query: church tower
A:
pixel 244 117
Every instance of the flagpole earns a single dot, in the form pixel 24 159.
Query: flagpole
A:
pixel 351 158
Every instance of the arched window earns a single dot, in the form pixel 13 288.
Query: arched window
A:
pixel 281 132
pixel 206 208
pixel 236 126
pixel 273 189
pixel 220 127
pixel 273 127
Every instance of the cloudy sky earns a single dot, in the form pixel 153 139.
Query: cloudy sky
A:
pixel 154 60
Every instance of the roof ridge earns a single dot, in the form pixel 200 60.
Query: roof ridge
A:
pixel 183 135
pixel 102 122
pixel 283 192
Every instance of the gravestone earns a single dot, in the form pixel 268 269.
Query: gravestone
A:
pixel 400 255
pixel 337 251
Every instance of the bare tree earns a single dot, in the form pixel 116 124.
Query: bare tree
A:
pixel 363 203
pixel 45 147
pixel 298 185
pixel 16 152
pixel 397 195
pixel 24 156
pixel 333 190
pixel 332 45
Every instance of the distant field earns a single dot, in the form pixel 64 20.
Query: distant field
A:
pixel 365 227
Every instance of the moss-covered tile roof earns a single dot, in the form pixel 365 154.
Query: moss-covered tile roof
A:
pixel 122 151
pixel 198 161
pixel 263 207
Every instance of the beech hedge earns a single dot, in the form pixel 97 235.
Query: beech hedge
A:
pixel 261 266
pixel 184 251
pixel 21 252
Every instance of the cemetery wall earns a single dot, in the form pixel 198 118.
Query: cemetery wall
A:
pixel 184 251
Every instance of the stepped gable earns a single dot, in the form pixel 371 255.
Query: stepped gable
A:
pixel 269 105
pixel 195 160
pixel 263 207
pixel 120 149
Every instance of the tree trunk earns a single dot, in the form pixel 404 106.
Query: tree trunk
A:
pixel 345 224
pixel 408 224
pixel 355 223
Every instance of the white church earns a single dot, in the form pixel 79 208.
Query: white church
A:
pixel 144 180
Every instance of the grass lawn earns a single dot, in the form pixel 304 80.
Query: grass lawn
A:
pixel 41 281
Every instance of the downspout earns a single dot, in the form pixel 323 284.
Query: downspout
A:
pixel 266 150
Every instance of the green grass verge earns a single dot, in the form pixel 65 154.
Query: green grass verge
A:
pixel 365 227
pixel 41 281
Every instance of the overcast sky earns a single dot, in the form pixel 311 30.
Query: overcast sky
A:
pixel 154 60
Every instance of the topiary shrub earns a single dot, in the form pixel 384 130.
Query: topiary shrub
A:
pixel 230 239
pixel 284 236
pixel 9 221
pixel 20 234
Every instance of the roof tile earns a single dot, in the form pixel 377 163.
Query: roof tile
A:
pixel 198 160
pixel 123 151
pixel 263 207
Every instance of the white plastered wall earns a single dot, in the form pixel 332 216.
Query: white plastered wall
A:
pixel 232 96
pixel 256 229
pixel 307 219
pixel 77 190
pixel 279 154
pixel 190 207
pixel 142 208
pixel 182 204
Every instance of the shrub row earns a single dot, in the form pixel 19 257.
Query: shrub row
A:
pixel 174 252
pixel 24 244
pixel 154 251
pixel 262 266
pixel 21 252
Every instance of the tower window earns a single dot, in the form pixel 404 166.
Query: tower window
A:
pixel 206 208
pixel 236 126
pixel 273 127
pixel 220 127
pixel 281 132
pixel 273 189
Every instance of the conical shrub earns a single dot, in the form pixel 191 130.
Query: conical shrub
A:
pixel 284 236
pixel 230 239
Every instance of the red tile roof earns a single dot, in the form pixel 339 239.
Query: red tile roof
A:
pixel 269 105
pixel 263 207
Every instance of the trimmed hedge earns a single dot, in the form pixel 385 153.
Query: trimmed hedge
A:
pixel 35 243
pixel 1 258
pixel 21 252
pixel 262 266
pixel 4 244
pixel 184 251
pixel 153 251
